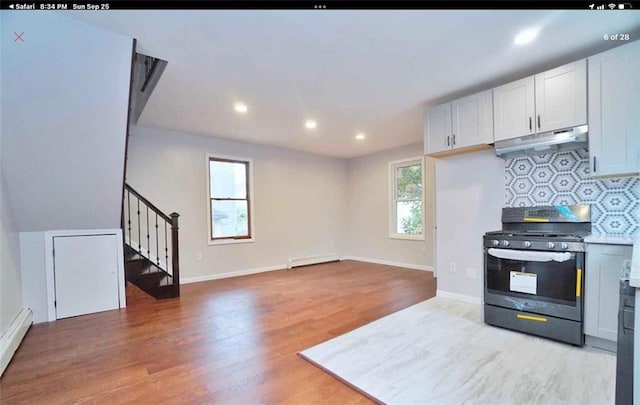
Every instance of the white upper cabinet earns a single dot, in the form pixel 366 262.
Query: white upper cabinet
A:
pixel 437 129
pixel 514 109
pixel 465 122
pixel 472 120
pixel 555 99
pixel 561 97
pixel 614 111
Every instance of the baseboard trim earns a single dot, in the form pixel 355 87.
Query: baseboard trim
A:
pixel 600 343
pixel 306 261
pixel 12 337
pixel 458 297
pixel 209 277
pixel 389 263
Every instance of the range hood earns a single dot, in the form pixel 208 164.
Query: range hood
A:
pixel 543 143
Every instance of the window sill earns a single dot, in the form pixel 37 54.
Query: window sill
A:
pixel 230 241
pixel 406 237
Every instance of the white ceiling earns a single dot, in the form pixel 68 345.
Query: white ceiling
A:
pixel 370 71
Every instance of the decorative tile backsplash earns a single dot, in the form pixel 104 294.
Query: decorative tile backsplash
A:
pixel 563 178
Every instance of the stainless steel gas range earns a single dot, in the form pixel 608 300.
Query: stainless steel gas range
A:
pixel 534 271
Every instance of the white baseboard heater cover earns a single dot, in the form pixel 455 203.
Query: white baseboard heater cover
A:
pixel 12 337
pixel 306 261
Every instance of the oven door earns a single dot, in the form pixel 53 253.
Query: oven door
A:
pixel 529 281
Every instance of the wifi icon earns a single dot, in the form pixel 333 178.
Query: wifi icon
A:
pixel 612 6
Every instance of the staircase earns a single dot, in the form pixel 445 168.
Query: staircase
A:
pixel 151 246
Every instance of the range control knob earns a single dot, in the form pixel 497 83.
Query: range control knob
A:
pixel 564 246
pixel 505 243
pixel 495 242
pixel 551 245
pixel 526 244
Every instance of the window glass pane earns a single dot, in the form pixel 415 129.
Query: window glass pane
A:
pixel 409 182
pixel 229 218
pixel 228 179
pixel 409 217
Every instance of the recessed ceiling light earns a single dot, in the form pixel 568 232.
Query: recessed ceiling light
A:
pixel 311 124
pixel 360 136
pixel 240 107
pixel 526 36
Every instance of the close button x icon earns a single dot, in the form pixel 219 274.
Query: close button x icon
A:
pixel 18 37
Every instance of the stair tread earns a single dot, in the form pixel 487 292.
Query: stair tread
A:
pixel 154 273
pixel 153 286
pixel 148 275
pixel 138 259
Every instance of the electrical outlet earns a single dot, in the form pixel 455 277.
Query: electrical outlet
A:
pixel 198 256
pixel 452 267
pixel 471 273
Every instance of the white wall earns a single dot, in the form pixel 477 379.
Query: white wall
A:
pixel 299 200
pixel 469 199
pixel 368 211
pixel 10 283
pixel 33 272
pixel 64 121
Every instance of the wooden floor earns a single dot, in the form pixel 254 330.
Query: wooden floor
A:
pixel 224 341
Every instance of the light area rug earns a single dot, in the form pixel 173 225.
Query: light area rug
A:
pixel 440 352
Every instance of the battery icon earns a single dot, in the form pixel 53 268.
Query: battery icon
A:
pixel 622 6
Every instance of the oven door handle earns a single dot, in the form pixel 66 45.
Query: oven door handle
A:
pixel 530 256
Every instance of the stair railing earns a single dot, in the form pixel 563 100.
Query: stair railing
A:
pixel 152 233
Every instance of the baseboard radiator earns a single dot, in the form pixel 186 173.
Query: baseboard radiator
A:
pixel 12 337
pixel 306 261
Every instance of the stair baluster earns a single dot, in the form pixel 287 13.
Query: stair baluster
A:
pixel 157 242
pixel 129 212
pixel 148 240
pixel 166 249
pixel 159 279
pixel 139 238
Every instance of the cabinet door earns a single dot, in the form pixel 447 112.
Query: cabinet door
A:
pixel 472 122
pixel 614 111
pixel 602 276
pixel 561 97
pixel 514 109
pixel 437 129
pixel 86 274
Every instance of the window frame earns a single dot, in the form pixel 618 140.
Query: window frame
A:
pixel 211 240
pixel 393 166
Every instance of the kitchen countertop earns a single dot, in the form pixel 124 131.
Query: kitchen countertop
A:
pixel 611 239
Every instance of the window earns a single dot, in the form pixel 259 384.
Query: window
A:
pixel 406 192
pixel 229 204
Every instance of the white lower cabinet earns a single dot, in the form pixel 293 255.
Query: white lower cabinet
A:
pixel 602 275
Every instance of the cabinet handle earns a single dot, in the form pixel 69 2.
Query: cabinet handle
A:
pixel 539 126
pixel 448 140
pixel 454 139
pixel 594 164
pixel 530 127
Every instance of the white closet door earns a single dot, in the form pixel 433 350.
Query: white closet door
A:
pixel 86 274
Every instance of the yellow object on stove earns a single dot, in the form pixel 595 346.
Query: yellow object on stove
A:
pixel 536 219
